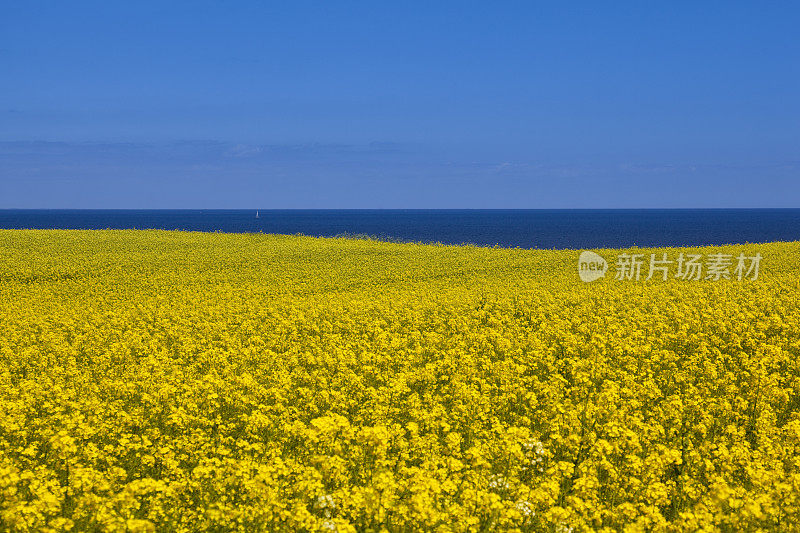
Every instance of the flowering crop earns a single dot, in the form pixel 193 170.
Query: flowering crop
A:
pixel 168 381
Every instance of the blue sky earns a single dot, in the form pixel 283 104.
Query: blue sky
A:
pixel 403 104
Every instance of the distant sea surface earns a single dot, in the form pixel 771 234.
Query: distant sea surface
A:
pixel 559 229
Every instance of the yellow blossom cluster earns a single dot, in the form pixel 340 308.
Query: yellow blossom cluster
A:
pixel 171 381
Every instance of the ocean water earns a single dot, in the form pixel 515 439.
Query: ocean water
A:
pixel 555 229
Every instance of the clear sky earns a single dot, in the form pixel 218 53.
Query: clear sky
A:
pixel 262 104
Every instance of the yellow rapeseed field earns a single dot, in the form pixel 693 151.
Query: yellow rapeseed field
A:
pixel 169 381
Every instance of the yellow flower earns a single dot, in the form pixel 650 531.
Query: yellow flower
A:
pixel 170 381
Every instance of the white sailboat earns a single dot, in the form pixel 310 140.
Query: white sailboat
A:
pixel 256 213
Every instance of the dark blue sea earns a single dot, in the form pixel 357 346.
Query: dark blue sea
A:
pixel 602 228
